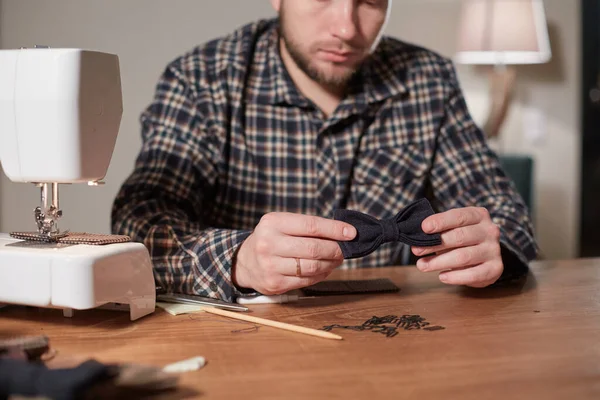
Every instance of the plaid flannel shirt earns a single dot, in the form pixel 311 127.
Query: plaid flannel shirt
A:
pixel 228 138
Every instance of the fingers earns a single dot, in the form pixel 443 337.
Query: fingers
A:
pixel 309 248
pixel 453 238
pixel 282 284
pixel 297 283
pixel 266 259
pixel 454 218
pixel 479 276
pixel 475 266
pixel 457 258
pixel 308 268
pixel 309 226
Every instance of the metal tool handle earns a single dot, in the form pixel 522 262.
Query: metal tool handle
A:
pixel 199 300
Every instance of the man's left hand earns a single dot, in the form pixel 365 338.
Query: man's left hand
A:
pixel 470 250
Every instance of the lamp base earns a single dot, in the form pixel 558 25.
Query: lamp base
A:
pixel 502 81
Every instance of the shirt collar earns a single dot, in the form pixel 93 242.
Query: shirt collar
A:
pixel 383 76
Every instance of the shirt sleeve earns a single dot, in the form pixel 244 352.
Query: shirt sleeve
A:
pixel 163 202
pixel 466 172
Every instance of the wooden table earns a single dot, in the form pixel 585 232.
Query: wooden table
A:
pixel 536 340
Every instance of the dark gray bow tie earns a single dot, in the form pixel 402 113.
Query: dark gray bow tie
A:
pixel 371 232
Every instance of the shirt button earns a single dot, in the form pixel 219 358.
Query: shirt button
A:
pixel 213 286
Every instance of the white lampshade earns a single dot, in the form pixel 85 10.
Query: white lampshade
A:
pixel 503 32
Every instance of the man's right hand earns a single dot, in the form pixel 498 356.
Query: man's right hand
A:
pixel 267 260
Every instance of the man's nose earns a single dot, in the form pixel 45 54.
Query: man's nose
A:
pixel 344 21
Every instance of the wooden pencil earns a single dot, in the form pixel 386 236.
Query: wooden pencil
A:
pixel 274 324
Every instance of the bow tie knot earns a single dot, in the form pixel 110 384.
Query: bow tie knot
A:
pixel 391 233
pixel 371 232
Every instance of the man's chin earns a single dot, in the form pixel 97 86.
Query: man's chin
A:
pixel 333 74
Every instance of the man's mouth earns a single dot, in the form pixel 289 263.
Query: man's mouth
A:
pixel 336 56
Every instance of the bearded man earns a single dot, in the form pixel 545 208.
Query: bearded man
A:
pixel 253 140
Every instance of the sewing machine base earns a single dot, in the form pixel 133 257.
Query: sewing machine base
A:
pixel 77 277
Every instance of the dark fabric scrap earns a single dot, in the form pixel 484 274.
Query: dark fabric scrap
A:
pixel 18 377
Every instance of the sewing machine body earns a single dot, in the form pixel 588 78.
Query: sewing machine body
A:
pixel 76 277
pixel 60 112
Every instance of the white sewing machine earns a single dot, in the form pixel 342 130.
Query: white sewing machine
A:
pixel 60 112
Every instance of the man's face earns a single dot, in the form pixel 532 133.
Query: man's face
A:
pixel 329 39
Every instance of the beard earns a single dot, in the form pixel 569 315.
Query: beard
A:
pixel 302 60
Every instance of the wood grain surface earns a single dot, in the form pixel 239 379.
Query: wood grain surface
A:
pixel 538 339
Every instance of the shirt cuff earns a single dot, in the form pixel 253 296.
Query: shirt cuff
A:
pixel 216 263
pixel 516 263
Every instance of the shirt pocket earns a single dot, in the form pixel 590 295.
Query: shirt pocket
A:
pixel 399 166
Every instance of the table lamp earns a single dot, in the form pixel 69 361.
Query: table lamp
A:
pixel 502 33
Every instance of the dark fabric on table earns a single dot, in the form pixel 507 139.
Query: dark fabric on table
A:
pixel 19 377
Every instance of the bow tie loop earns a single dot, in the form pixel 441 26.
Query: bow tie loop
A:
pixel 390 231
